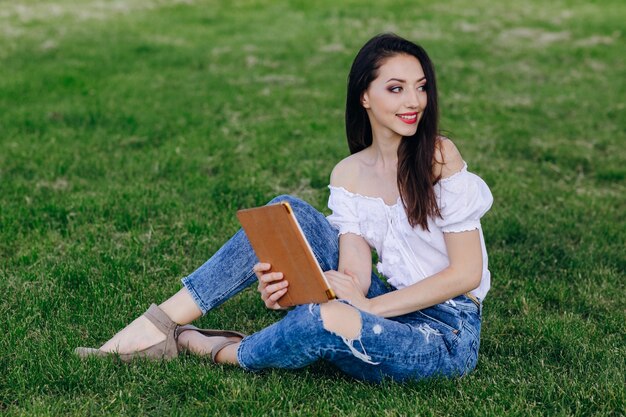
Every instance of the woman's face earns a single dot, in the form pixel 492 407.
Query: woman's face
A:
pixel 395 101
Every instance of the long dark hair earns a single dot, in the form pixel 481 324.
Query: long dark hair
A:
pixel 415 153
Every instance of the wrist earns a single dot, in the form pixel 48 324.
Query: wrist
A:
pixel 370 306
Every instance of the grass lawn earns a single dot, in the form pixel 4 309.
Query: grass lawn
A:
pixel 131 131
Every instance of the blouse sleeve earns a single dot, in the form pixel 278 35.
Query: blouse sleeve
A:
pixel 345 216
pixel 463 199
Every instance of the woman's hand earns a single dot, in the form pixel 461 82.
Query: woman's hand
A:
pixel 347 287
pixel 272 286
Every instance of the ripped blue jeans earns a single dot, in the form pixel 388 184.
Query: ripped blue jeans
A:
pixel 441 340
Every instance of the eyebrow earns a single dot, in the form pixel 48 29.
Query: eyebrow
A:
pixel 403 81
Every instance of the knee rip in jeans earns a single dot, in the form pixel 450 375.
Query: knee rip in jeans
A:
pixel 345 321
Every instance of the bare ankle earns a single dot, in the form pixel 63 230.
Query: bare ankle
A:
pixel 228 354
pixel 181 307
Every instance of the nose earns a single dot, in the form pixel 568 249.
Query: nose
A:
pixel 413 100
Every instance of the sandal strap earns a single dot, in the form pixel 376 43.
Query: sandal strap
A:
pixel 212 333
pixel 166 325
pixel 161 320
pixel 208 332
pixel 216 349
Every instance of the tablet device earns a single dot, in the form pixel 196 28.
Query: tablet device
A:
pixel 277 239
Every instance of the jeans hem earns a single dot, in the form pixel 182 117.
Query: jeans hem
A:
pixel 194 295
pixel 240 357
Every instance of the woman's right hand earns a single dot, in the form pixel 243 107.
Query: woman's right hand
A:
pixel 272 286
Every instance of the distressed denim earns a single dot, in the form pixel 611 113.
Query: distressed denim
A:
pixel 441 340
pixel 229 270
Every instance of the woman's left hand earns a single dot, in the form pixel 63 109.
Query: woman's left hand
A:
pixel 346 286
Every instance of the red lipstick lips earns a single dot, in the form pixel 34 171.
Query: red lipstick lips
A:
pixel 408 118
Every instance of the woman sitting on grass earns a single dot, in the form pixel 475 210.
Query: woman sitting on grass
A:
pixel 406 192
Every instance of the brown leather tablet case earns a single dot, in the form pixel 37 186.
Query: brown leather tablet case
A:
pixel 277 239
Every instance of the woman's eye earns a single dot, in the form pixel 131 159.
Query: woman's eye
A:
pixel 395 89
pixel 421 88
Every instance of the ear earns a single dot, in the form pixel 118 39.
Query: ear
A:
pixel 365 100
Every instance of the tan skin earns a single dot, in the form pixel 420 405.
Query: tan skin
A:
pixel 397 91
pixel 372 172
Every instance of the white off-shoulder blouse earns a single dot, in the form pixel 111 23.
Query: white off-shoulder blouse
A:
pixel 406 254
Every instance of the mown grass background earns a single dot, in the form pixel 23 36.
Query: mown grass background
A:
pixel 131 131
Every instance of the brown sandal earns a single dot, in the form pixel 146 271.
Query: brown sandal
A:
pixel 212 333
pixel 166 349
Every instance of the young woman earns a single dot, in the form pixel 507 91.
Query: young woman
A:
pixel 406 192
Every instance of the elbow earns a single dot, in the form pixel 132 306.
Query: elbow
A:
pixel 470 277
pixel 474 276
pixel 474 280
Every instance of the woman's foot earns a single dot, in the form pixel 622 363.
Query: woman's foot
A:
pixel 200 344
pixel 141 333
pixel 138 335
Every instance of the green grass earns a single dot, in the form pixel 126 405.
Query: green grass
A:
pixel 130 132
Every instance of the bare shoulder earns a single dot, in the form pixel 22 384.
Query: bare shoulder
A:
pixel 346 172
pixel 448 159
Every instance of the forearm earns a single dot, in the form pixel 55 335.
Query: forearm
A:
pixel 355 256
pixel 462 275
pixel 435 289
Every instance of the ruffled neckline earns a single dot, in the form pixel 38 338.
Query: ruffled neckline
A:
pixel 366 197
pixel 399 201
